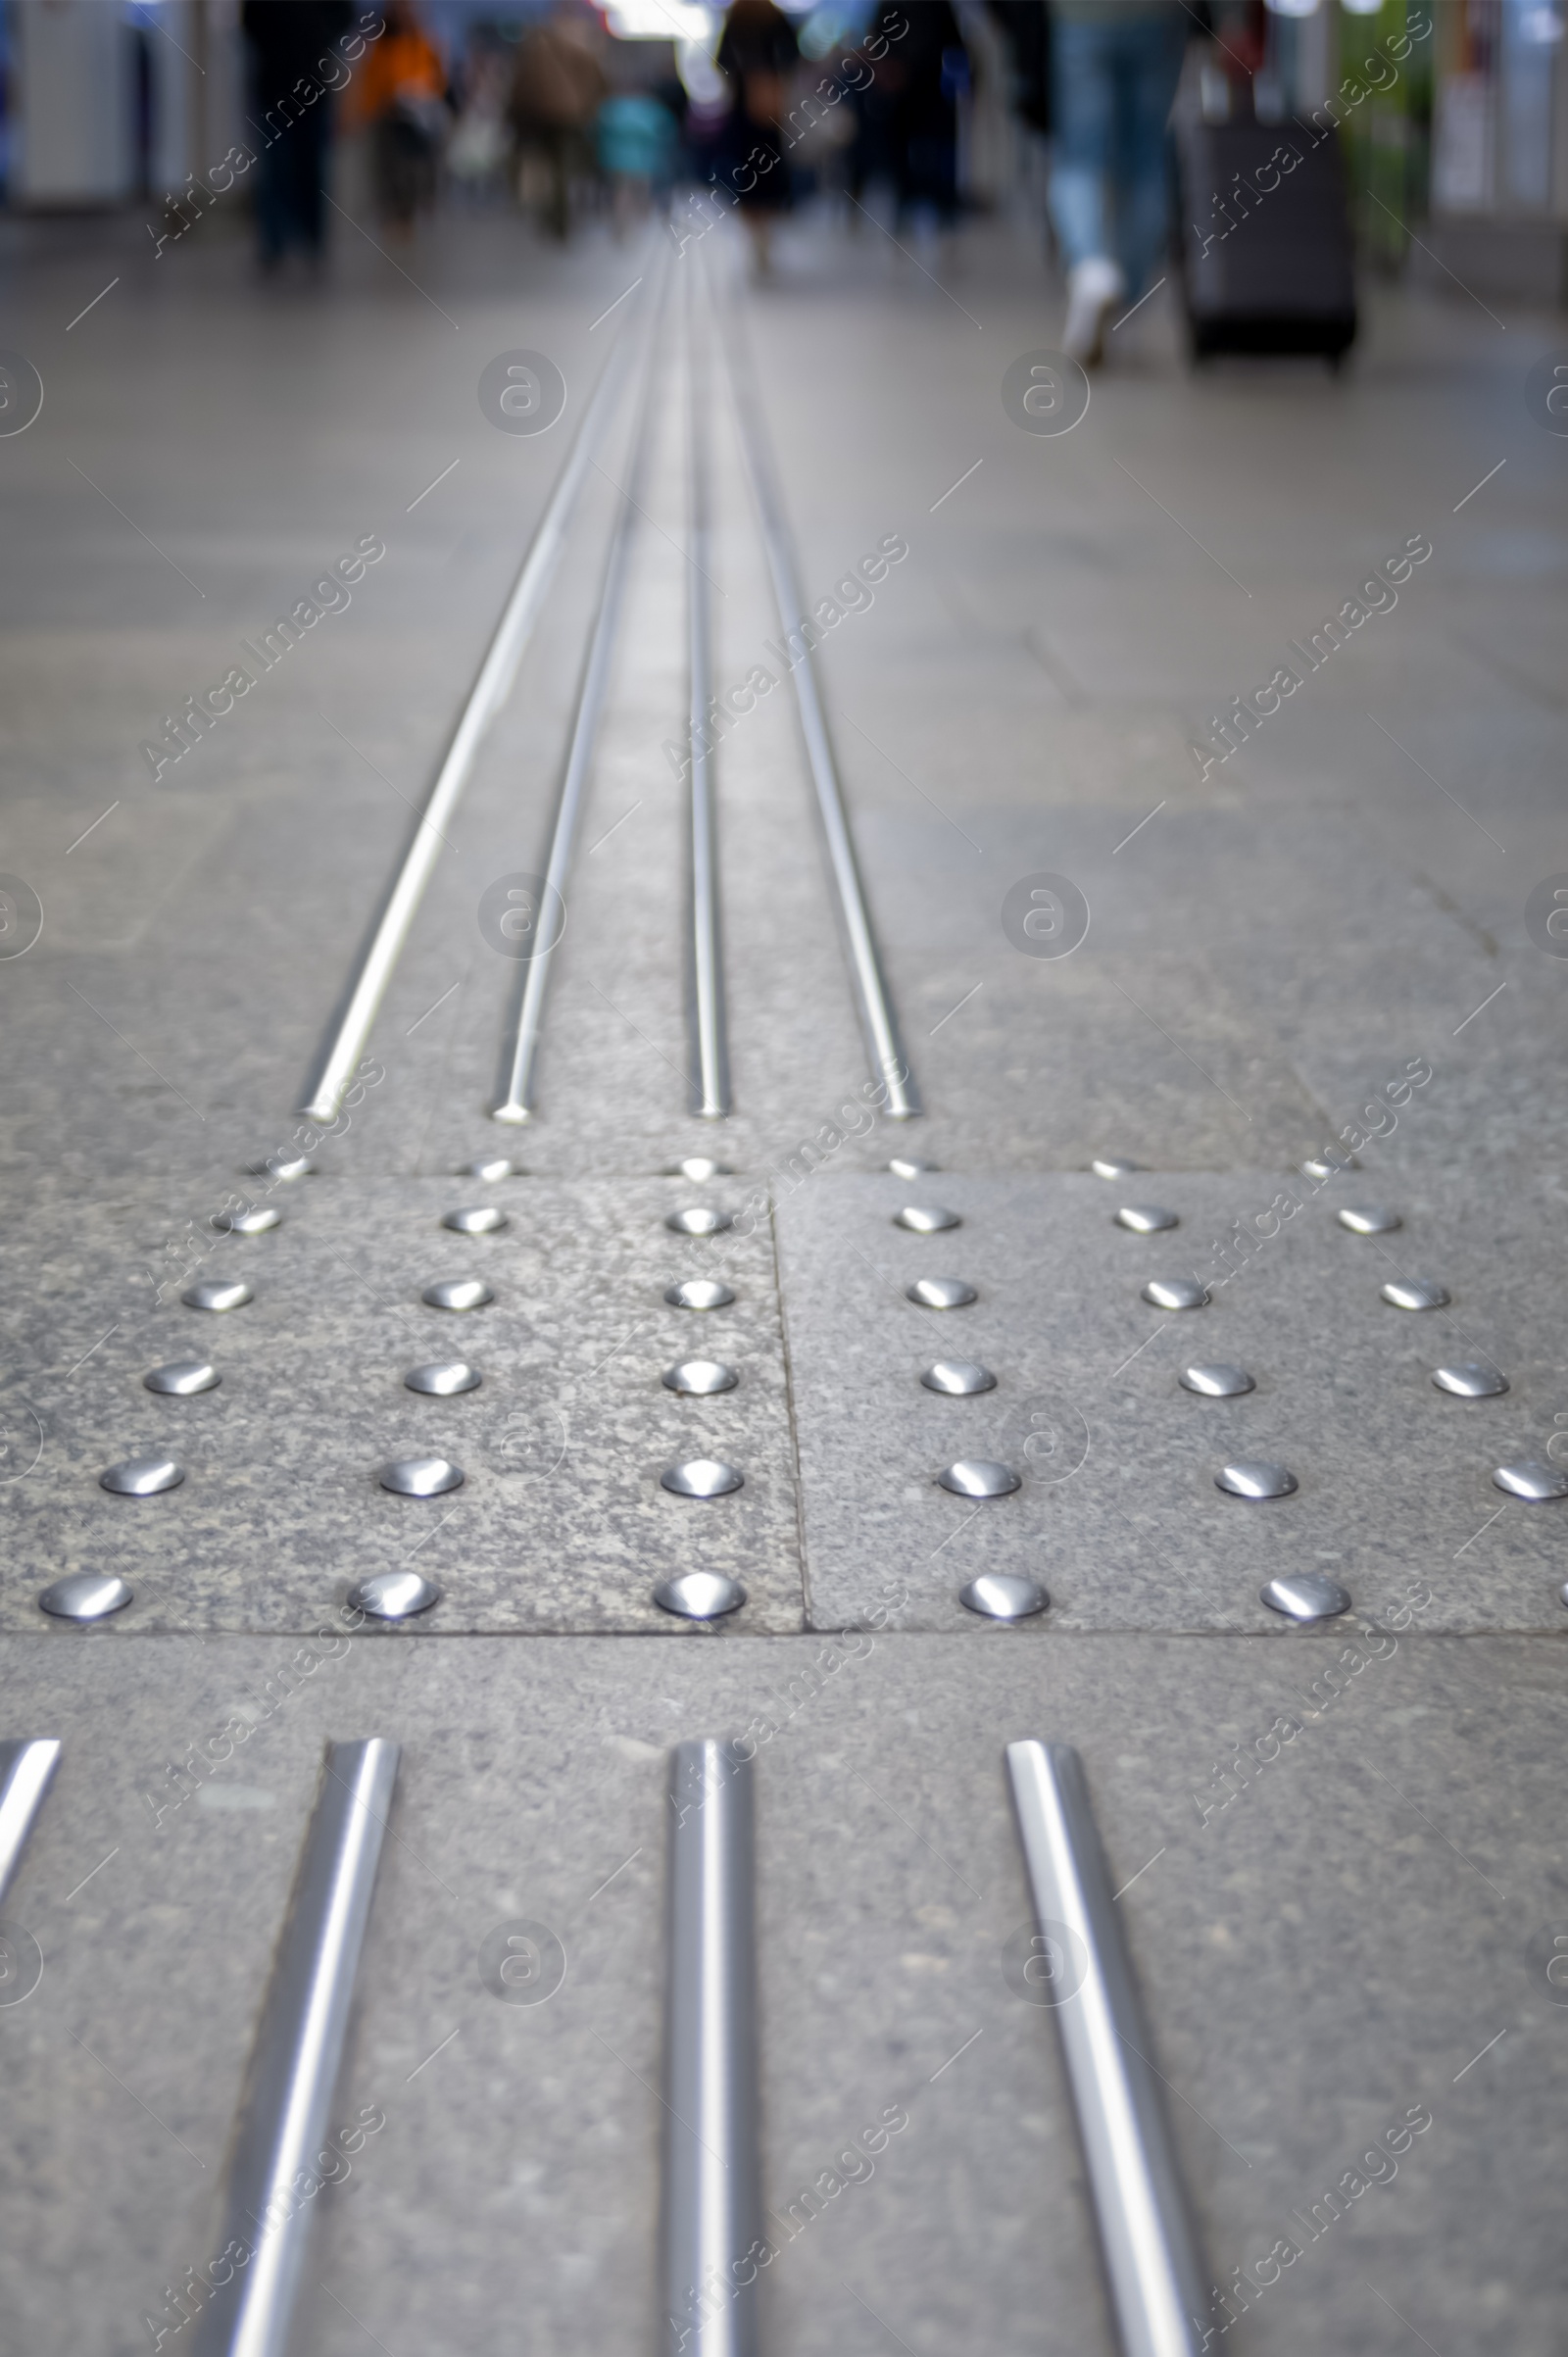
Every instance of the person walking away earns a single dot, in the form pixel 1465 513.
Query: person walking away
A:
pixel 1114 68
pixel 476 151
pixel 925 67
pixel 637 144
pixel 401 94
pixel 758 55
pixel 285 39
pixel 557 86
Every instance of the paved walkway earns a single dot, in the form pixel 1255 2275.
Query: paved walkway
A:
pixel 1341 1844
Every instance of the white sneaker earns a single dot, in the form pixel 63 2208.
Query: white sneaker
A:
pixel 1094 288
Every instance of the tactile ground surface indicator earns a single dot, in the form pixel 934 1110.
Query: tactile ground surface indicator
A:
pixel 1338 1850
pixel 1118 1513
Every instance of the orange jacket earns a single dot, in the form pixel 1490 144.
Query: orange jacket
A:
pixel 401 64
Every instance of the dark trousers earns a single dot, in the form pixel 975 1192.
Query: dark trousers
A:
pixel 291 183
pixel 405 169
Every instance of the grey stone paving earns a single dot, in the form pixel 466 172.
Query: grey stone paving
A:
pixel 1118 1514
pixel 1348 1938
pixel 1360 1930
pixel 561 1522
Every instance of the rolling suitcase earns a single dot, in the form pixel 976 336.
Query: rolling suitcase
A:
pixel 1264 244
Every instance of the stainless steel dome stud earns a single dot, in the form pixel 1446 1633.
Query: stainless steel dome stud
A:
pixel 1305 1595
pixel 1255 1478
pixel 393 1595
pixel 1003 1596
pixel 701 1477
pixel 700 1594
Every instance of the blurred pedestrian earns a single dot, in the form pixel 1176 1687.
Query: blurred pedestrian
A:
pixel 758 55
pixel 1114 68
pixel 288 38
pixel 477 149
pixel 1025 28
pixel 925 70
pixel 637 144
pixel 557 88
pixel 401 94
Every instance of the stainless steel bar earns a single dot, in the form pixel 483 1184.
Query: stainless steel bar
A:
pixel 1157 2280
pixel 515 1098
pixel 26 1769
pixel 284 2111
pixel 879 1024
pixel 713 2209
pixel 710 1076
pixel 378 959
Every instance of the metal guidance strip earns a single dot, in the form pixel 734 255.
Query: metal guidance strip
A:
pixel 878 1022
pixel 25 1770
pixel 712 2227
pixel 1155 2275
pixel 710 1083
pixel 284 2110
pixel 489 692
pixel 515 1098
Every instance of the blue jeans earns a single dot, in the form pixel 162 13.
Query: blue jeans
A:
pixel 1115 82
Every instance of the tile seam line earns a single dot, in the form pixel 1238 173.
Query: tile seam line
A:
pixel 1327 1634
pixel 807 1618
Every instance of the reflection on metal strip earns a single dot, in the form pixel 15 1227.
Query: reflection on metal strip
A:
pixel 24 1772
pixel 276 2162
pixel 515 1100
pixel 884 1046
pixel 710 1077
pixel 711 2229
pixel 1158 2285
pixel 490 689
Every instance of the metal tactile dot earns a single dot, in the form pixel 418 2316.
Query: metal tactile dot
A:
pixel 697 1169
pixel 1470 1381
pixel 1531 1480
pixel 1003 1596
pixel 489 1170
pixel 143 1477
pixel 419 1476
pixel 959 1377
pixel 699 1293
pixel 925 1219
pixel 1218 1382
pixel 257 1220
pixel 84 1595
pixel 443 1379
pixel 1111 1166
pixel 1176 1293
pixel 182 1378
pixel 393 1595
pixel 699 1377
pixel 1416 1293
pixel 978 1477
pixel 698 1220
pixel 282 1166
pixel 701 1477
pixel 910 1166
pixel 700 1594
pixel 484 1220
pixel 940 1292
pixel 1305 1595
pixel 457 1293
pixel 218 1292
pixel 1255 1477
pixel 1322 1166
pixel 1368 1220
pixel 1146 1219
